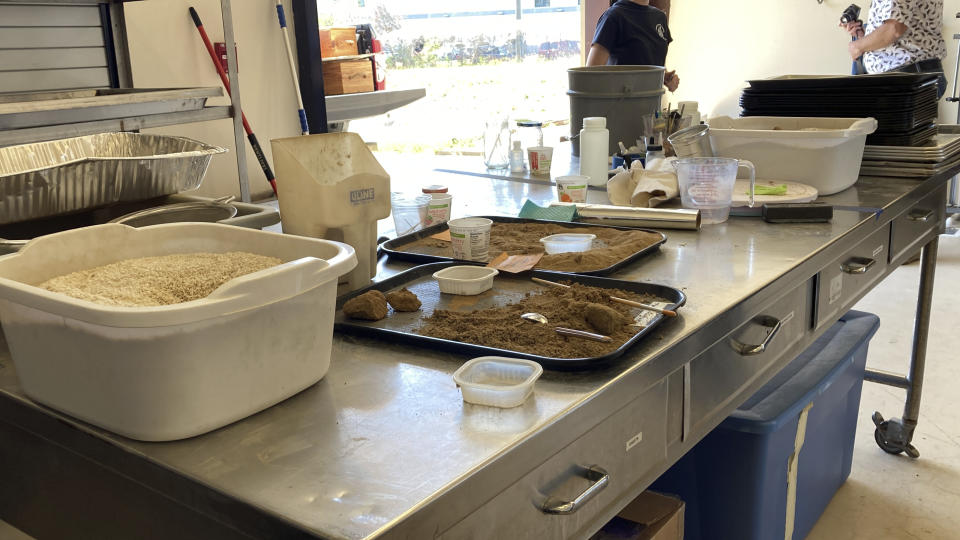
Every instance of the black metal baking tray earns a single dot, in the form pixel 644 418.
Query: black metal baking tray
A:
pixel 835 102
pixel 915 137
pixel 795 82
pixel 507 288
pixel 390 247
pixel 887 121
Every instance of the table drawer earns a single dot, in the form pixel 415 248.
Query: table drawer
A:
pixel 850 275
pixel 910 230
pixel 624 446
pixel 722 374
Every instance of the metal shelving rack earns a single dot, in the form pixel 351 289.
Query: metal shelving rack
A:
pixel 133 116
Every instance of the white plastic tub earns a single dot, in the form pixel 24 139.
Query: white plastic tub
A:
pixel 567 243
pixel 496 381
pixel 170 372
pixel 465 280
pixel 821 152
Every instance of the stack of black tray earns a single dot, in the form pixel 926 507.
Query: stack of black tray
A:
pixel 904 104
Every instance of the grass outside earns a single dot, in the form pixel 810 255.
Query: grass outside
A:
pixel 461 99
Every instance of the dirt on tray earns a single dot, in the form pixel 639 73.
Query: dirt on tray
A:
pixel 610 247
pixel 503 328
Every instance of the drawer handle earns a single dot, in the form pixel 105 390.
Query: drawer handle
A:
pixel 599 480
pixel 749 349
pixel 920 215
pixel 857 265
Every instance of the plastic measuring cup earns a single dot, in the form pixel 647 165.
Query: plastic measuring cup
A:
pixel 706 184
pixel 409 212
pixel 470 238
pixel 572 188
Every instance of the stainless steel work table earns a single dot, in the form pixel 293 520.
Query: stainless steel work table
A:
pixel 384 445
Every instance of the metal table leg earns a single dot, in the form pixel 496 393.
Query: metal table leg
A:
pixel 895 435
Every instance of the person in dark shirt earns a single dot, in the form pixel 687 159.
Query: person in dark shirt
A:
pixel 633 32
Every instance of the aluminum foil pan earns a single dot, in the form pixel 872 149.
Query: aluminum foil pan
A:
pixel 67 175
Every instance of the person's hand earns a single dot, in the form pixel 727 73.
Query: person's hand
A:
pixel 855 28
pixel 854 49
pixel 671 80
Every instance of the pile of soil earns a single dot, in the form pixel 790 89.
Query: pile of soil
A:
pixel 610 247
pixel 503 328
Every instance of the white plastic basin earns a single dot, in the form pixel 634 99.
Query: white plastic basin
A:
pixel 821 152
pixel 168 372
pixel 567 242
pixel 497 381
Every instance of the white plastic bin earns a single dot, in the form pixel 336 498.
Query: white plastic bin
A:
pixel 170 372
pixel 821 152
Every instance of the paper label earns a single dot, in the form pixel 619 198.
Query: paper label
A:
pixel 438 213
pixel 515 264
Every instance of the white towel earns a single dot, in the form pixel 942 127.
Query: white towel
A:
pixel 646 188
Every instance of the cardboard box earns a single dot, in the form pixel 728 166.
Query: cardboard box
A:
pixel 347 76
pixel 651 516
pixel 336 42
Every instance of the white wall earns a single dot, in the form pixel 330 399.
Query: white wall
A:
pixel 167 52
pixel 719 45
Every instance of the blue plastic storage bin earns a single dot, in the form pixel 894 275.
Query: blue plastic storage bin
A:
pixel 735 481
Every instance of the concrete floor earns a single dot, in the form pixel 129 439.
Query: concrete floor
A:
pixel 893 497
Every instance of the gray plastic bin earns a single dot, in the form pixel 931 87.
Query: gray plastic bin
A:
pixel 621 94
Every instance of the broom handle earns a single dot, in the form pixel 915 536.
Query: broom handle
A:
pixel 254 144
pixel 304 127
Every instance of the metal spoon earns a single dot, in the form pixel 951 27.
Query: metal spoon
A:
pixel 540 319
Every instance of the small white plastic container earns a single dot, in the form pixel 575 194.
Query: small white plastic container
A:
pixel 821 152
pixel 465 280
pixel 567 242
pixel 497 381
pixel 470 238
pixel 438 208
pixel 161 373
pixel 572 188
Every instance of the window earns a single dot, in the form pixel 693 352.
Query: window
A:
pixel 478 61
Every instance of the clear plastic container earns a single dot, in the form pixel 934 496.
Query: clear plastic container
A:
pixel 409 212
pixel 465 280
pixel 497 381
pixel 470 238
pixel 496 144
pixel 568 242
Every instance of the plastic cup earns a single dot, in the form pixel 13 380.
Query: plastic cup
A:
pixel 409 212
pixel 706 184
pixel 572 188
pixel 438 208
pixel 540 158
pixel 470 238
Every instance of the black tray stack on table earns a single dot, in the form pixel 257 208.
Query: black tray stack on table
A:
pixel 904 104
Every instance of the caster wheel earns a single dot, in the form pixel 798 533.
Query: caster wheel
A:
pixel 885 446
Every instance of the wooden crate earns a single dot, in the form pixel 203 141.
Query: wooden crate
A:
pixel 338 42
pixel 347 76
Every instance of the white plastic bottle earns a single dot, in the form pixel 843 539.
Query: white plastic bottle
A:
pixel 594 144
pixel 516 158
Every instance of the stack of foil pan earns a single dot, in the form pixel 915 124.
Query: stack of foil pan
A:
pixel 68 175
